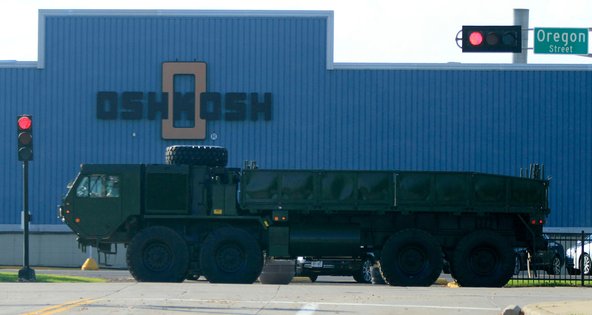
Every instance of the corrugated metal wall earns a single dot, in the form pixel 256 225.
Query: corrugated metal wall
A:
pixel 466 120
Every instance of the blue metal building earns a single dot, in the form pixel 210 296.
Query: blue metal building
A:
pixel 96 89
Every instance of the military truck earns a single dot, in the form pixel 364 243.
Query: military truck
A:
pixel 194 216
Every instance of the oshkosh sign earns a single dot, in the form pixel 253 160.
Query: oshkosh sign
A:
pixel 198 106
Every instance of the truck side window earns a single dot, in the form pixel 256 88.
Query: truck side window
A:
pixel 112 186
pixel 98 186
pixel 82 189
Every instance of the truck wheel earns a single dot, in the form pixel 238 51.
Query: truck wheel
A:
pixel 364 275
pixel 196 155
pixel 158 254
pixel 313 278
pixel 411 257
pixel 483 259
pixel 230 255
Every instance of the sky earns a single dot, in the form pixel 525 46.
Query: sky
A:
pixel 372 31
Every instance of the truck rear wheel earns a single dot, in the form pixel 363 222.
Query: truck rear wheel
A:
pixel 411 257
pixel 483 259
pixel 230 255
pixel 158 254
pixel 196 155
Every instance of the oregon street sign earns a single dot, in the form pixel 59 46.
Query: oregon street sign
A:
pixel 560 40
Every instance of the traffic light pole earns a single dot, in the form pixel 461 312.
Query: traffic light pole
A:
pixel 26 274
pixel 521 18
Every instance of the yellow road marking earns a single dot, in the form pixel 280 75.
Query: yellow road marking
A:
pixel 61 307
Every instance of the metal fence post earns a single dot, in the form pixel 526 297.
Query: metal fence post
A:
pixel 582 258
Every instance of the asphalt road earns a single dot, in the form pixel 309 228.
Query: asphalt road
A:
pixel 329 295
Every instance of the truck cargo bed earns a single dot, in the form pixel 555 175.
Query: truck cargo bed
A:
pixel 298 190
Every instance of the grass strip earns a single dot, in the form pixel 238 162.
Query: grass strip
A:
pixel 13 277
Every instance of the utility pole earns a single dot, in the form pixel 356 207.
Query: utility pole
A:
pixel 521 18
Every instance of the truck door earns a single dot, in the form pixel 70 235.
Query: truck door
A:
pixel 97 204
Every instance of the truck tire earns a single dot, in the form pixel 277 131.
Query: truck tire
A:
pixel 278 272
pixel 230 255
pixel 158 254
pixel 483 259
pixel 411 257
pixel 364 275
pixel 196 155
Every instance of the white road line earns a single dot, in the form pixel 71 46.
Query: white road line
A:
pixel 308 309
pixel 317 304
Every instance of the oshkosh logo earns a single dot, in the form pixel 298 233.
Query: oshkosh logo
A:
pixel 197 106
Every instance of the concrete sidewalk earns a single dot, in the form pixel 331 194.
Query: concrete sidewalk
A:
pixel 577 307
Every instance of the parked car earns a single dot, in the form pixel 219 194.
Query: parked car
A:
pixel 550 260
pixel 358 268
pixel 576 262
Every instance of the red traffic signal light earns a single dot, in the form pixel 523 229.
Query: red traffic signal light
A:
pixel 24 122
pixel 492 38
pixel 476 38
pixel 25 137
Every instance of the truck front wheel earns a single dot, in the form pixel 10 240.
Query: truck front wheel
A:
pixel 483 259
pixel 158 254
pixel 230 255
pixel 411 257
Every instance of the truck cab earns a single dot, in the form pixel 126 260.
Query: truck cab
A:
pixel 99 198
pixel 107 201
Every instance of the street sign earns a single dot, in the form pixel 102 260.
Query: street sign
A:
pixel 572 41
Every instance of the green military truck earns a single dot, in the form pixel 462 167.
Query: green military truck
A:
pixel 194 216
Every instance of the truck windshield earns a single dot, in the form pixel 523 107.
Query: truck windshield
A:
pixel 98 186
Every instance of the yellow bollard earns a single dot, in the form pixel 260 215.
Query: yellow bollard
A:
pixel 90 264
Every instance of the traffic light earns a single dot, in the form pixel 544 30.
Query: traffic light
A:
pixel 25 137
pixel 493 39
